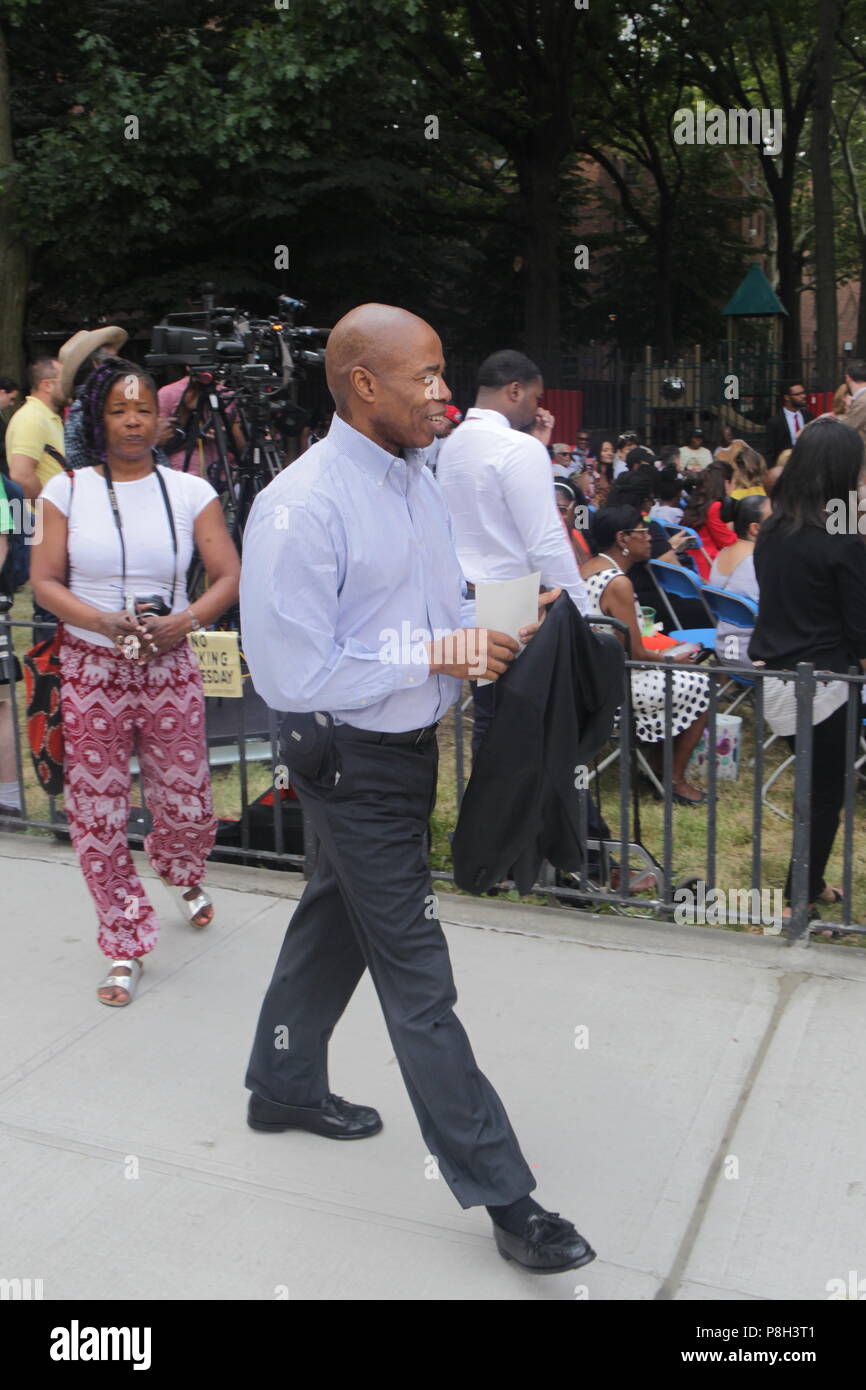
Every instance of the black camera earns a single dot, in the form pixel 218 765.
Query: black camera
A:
pixel 232 346
pixel 151 606
pixel 219 339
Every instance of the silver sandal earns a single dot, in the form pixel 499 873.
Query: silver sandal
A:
pixel 191 907
pixel 127 982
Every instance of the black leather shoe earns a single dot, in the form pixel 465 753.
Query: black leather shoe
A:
pixel 334 1117
pixel 548 1245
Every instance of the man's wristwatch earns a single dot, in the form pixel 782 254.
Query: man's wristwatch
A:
pixel 196 625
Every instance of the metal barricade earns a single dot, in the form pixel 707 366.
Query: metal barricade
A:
pixel 679 858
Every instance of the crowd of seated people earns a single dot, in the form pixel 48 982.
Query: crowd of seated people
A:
pixel 736 525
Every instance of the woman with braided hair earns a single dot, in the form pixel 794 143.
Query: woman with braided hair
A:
pixel 117 539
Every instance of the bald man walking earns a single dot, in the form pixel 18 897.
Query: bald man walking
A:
pixel 352 605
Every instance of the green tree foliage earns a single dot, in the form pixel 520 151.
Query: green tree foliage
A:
pixel 146 149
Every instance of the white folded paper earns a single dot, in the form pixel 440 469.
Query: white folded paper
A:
pixel 507 605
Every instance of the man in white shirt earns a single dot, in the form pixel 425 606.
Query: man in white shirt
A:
pixel 695 456
pixel 498 484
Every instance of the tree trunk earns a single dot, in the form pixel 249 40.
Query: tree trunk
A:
pixel 14 256
pixel 789 279
pixel 539 195
pixel 860 345
pixel 826 366
pixel 665 340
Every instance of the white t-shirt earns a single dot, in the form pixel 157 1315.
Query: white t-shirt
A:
pixel 663 511
pixel 95 557
pixel 693 459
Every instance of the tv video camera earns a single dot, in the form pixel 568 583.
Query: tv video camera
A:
pixel 231 346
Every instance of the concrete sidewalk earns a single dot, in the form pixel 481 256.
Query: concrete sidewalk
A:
pixel 708 1139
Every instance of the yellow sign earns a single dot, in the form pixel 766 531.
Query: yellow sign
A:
pixel 219 661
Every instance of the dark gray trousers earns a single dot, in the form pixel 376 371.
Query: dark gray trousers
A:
pixel 370 904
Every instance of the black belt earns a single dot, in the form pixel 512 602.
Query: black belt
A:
pixel 412 736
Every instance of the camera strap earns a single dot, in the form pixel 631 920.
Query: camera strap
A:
pixel 112 497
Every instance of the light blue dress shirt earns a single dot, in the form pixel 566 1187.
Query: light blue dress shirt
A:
pixel 348 567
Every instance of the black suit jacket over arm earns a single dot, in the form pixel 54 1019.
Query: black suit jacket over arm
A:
pixel 555 707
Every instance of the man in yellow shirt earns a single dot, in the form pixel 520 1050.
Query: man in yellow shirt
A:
pixel 34 425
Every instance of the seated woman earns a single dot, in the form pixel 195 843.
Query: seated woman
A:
pixel 750 470
pixel 775 473
pixel 734 571
pixel 703 514
pixel 622 539
pixel 603 476
pixel 667 490
pixel 634 489
pixel 566 504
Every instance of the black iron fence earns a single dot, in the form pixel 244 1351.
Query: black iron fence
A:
pixel 644 853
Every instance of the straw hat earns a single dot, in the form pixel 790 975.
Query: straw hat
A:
pixel 80 346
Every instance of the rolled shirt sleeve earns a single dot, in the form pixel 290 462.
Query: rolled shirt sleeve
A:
pixel 527 484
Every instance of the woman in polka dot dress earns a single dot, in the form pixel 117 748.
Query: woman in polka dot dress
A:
pixel 622 539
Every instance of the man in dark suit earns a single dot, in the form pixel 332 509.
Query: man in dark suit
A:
pixel 783 429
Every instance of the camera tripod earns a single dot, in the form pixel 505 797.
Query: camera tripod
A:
pixel 238 478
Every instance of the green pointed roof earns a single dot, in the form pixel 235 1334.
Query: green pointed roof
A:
pixel 754 295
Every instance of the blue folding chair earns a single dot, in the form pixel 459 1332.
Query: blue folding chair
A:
pixel 729 608
pixel 681 583
pixel 741 612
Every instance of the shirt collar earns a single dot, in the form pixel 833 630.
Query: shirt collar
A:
pixel 363 450
pixel 45 409
pixel 492 417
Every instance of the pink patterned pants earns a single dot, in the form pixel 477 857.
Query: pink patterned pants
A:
pixel 112 706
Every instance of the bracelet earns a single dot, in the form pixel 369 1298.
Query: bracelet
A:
pixel 196 625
